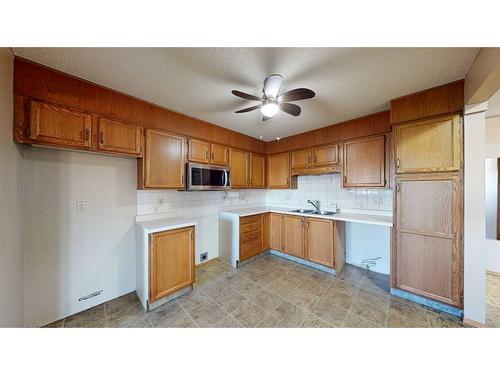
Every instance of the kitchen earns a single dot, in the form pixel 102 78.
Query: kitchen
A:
pixel 330 204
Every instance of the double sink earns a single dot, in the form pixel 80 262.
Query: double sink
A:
pixel 315 212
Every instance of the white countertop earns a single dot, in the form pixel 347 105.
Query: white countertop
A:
pixel 162 224
pixel 356 216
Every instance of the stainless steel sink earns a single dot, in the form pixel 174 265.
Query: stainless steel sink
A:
pixel 302 211
pixel 326 213
pixel 315 212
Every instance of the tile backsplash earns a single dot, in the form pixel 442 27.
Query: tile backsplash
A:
pixel 325 188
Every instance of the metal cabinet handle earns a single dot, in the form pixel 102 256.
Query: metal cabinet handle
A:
pixel 87 134
pixel 398 163
pixel 206 156
pixel 398 187
pixel 102 138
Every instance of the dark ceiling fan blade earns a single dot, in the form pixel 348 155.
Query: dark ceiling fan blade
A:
pixel 245 95
pixel 272 85
pixel 296 94
pixel 265 118
pixel 291 109
pixel 248 109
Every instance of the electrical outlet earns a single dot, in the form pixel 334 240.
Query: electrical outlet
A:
pixel 203 257
pixel 81 207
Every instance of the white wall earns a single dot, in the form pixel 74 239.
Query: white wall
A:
pixel 474 213
pixel 491 172
pixel 11 269
pixel 68 255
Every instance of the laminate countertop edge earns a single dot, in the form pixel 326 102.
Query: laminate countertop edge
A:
pixel 160 225
pixel 362 218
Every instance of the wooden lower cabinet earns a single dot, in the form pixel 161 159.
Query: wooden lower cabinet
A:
pixel 293 235
pixel 275 231
pixel 319 241
pixel 251 241
pixel 266 226
pixel 171 262
pixel 428 246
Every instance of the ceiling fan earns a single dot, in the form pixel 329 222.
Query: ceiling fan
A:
pixel 271 103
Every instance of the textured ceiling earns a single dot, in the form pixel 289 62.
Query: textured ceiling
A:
pixel 349 82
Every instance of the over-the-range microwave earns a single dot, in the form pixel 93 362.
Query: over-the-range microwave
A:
pixel 207 177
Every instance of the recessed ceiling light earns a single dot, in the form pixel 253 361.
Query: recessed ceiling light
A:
pixel 278 138
pixel 260 136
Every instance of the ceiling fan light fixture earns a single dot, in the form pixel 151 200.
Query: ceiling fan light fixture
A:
pixel 270 109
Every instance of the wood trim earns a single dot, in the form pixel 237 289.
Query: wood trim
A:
pixel 435 101
pixel 35 81
pixel 373 124
pixel 473 323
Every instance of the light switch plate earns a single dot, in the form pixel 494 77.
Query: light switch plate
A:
pixel 81 207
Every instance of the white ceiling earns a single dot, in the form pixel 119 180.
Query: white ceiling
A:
pixel 349 82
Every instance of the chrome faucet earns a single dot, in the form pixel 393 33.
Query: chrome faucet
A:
pixel 316 204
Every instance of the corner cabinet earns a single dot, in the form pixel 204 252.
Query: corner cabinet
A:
pixel 164 160
pixel 365 162
pixel 171 262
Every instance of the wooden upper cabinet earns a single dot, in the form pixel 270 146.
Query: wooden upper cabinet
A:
pixel 275 231
pixel 302 158
pixel 116 136
pixel 238 160
pixel 219 154
pixel 54 125
pixel 428 249
pixel 257 171
pixel 278 171
pixel 429 146
pixel 171 262
pixel 319 241
pixel 199 151
pixel 326 155
pixel 293 235
pixel 365 162
pixel 164 160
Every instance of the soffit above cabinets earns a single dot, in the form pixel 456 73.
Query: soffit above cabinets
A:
pixel 349 82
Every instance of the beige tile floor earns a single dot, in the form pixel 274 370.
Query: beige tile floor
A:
pixel 492 300
pixel 270 292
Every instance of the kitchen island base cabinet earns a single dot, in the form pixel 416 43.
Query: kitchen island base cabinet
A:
pixel 171 262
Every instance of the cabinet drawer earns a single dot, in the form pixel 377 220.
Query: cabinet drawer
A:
pixel 250 227
pixel 251 248
pixel 249 219
pixel 248 236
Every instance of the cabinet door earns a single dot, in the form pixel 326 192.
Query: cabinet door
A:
pixel 428 244
pixel 171 262
pixel 257 171
pixel 219 155
pixel 251 236
pixel 275 231
pixel 53 125
pixel 326 155
pixel 199 151
pixel 365 162
pixel 238 160
pixel 293 235
pixel 164 161
pixel 278 171
pixel 319 241
pixel 302 158
pixel 116 136
pixel 429 146
pixel 266 226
